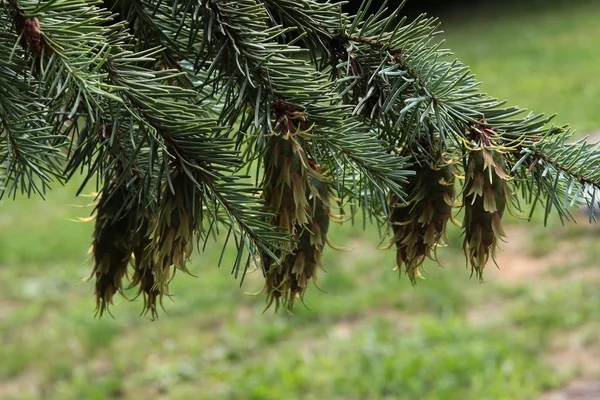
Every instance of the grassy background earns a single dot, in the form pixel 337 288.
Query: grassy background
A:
pixel 530 328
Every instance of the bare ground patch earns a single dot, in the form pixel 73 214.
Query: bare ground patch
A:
pixel 517 264
pixel 580 390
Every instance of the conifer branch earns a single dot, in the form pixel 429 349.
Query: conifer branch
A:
pixel 168 108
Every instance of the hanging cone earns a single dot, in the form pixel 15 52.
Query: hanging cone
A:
pixel 171 237
pixel 286 180
pixel 296 192
pixel 419 225
pixel 486 194
pixel 144 277
pixel 159 244
pixel 112 246
pixel 289 280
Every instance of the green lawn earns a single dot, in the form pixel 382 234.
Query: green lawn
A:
pixel 539 54
pixel 369 335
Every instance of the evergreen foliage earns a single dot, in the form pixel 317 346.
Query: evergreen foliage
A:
pixel 257 120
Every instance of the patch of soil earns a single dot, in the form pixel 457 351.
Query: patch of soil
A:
pixel 516 264
pixel 25 384
pixel 572 353
pixel 584 390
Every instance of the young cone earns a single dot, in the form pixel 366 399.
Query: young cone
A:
pixel 144 277
pixel 486 194
pixel 112 246
pixel 295 191
pixel 289 280
pixel 171 235
pixel 419 225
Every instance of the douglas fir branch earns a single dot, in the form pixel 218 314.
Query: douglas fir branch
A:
pixel 260 122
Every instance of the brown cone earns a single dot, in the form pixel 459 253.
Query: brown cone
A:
pixel 171 237
pixel 112 246
pixel 289 280
pixel 486 194
pixel 296 192
pixel 144 277
pixel 419 225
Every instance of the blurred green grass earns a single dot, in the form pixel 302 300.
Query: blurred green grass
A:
pixel 369 335
pixel 539 54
